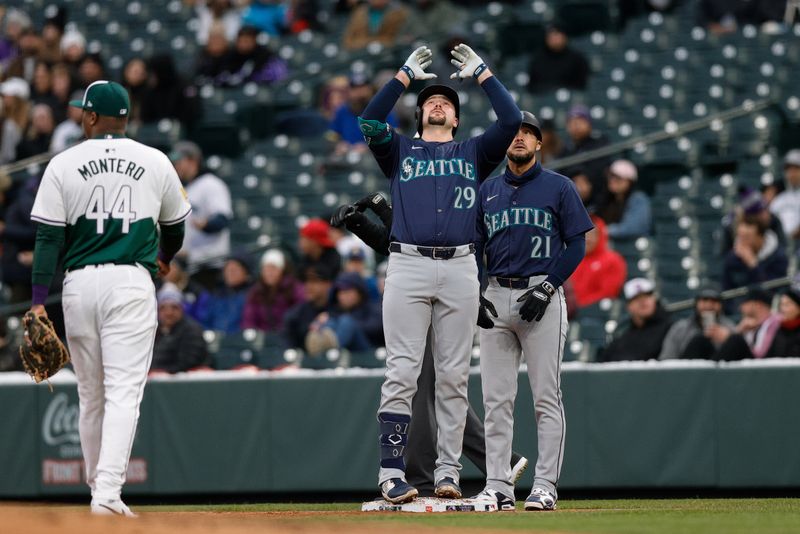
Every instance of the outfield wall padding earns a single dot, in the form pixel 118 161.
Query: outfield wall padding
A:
pixel 634 425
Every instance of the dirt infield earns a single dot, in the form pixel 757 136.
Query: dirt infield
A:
pixel 36 519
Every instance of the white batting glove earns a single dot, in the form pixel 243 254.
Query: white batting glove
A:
pixel 419 60
pixel 468 62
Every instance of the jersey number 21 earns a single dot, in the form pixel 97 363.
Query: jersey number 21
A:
pixel 537 242
pixel 120 208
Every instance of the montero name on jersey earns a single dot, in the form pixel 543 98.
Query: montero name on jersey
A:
pixel 107 165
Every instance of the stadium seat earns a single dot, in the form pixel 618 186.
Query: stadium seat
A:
pixel 238 350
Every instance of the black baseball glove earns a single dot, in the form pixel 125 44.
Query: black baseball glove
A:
pixel 377 204
pixel 484 309
pixel 341 214
pixel 535 301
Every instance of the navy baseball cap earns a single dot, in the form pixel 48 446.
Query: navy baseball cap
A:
pixel 105 98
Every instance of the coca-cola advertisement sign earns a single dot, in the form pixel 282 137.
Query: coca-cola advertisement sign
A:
pixel 60 422
pixel 62 458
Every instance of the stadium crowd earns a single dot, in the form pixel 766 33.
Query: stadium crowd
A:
pixel 324 291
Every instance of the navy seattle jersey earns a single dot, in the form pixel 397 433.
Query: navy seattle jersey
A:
pixel 434 185
pixel 434 189
pixel 523 229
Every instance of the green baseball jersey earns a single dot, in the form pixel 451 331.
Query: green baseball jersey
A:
pixel 110 194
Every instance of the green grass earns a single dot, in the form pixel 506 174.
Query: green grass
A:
pixel 669 516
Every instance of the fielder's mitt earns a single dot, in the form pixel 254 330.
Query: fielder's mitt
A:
pixel 43 354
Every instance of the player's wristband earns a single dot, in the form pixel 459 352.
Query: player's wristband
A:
pixel 551 290
pixel 482 67
pixel 39 294
pixel 409 71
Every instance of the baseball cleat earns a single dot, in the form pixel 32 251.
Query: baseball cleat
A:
pixel 504 502
pixel 518 468
pixel 448 488
pixel 398 491
pixel 111 507
pixel 540 499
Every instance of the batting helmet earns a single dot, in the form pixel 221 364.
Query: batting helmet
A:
pixel 531 120
pixel 448 92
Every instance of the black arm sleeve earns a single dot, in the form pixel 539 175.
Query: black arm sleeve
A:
pixel 171 241
pixel 569 259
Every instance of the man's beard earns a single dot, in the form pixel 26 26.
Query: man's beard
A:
pixel 520 159
pixel 438 120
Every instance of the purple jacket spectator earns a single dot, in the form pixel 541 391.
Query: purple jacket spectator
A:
pixel 272 296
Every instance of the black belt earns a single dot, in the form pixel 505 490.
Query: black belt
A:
pixel 436 253
pixel 520 282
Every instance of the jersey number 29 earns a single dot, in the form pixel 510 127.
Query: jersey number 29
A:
pixel 464 196
pixel 120 208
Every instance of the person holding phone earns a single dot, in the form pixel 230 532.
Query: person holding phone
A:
pixel 693 337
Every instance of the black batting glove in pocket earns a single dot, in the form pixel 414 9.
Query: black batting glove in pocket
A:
pixel 486 307
pixel 535 301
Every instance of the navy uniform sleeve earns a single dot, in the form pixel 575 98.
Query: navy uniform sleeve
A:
pixel 379 135
pixel 573 217
pixel 493 144
pixel 574 222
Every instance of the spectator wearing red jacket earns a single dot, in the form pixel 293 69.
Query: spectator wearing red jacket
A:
pixel 602 272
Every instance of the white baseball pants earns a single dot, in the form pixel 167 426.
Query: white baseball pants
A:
pixel 110 318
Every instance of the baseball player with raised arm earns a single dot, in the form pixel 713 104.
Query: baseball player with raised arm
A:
pixel 531 225
pixel 103 202
pixel 431 280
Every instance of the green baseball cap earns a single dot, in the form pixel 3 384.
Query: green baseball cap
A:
pixel 105 98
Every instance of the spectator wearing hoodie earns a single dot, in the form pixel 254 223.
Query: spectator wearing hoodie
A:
pixel 602 272
pixel 625 210
pixel 226 304
pixel 646 328
pixel 275 292
pixel 756 257
pixel 354 322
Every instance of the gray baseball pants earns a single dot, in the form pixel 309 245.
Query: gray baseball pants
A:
pixel 541 344
pixel 422 292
